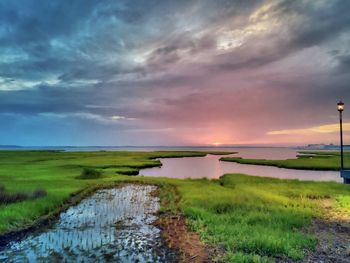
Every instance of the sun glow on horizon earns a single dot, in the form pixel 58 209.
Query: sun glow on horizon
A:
pixel 217 143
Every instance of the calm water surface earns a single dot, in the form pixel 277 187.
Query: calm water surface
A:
pixel 210 167
pixel 113 225
pixel 247 152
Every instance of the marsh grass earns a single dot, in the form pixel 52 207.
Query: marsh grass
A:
pixel 253 219
pixel 58 172
pixel 259 218
pixel 306 160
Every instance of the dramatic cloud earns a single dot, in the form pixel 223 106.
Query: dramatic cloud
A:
pixel 89 72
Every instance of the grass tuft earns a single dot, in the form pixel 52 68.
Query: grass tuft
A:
pixel 224 208
pixel 90 173
pixel 39 193
pixel 9 198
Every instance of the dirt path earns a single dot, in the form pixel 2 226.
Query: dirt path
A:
pixel 334 242
pixel 176 234
pixel 333 234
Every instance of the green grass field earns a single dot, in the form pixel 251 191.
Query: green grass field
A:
pixel 306 160
pixel 253 219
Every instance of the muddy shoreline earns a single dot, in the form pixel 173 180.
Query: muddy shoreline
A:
pixel 176 234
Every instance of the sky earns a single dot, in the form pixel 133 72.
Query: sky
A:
pixel 184 72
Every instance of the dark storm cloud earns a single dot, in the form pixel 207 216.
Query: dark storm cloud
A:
pixel 344 63
pixel 173 63
pixel 313 26
pixel 321 25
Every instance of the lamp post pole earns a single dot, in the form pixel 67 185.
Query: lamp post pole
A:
pixel 341 109
pixel 341 140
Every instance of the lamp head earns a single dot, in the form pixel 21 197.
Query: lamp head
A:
pixel 340 106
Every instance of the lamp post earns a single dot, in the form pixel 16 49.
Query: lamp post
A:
pixel 341 109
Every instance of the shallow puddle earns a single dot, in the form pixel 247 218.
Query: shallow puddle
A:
pixel 112 225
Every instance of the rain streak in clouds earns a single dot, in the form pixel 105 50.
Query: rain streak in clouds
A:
pixel 91 72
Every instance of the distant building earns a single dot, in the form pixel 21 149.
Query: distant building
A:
pixel 324 147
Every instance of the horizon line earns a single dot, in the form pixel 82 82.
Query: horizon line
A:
pixel 169 146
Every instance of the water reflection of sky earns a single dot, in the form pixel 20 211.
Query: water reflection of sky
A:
pixel 210 167
pixel 113 225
